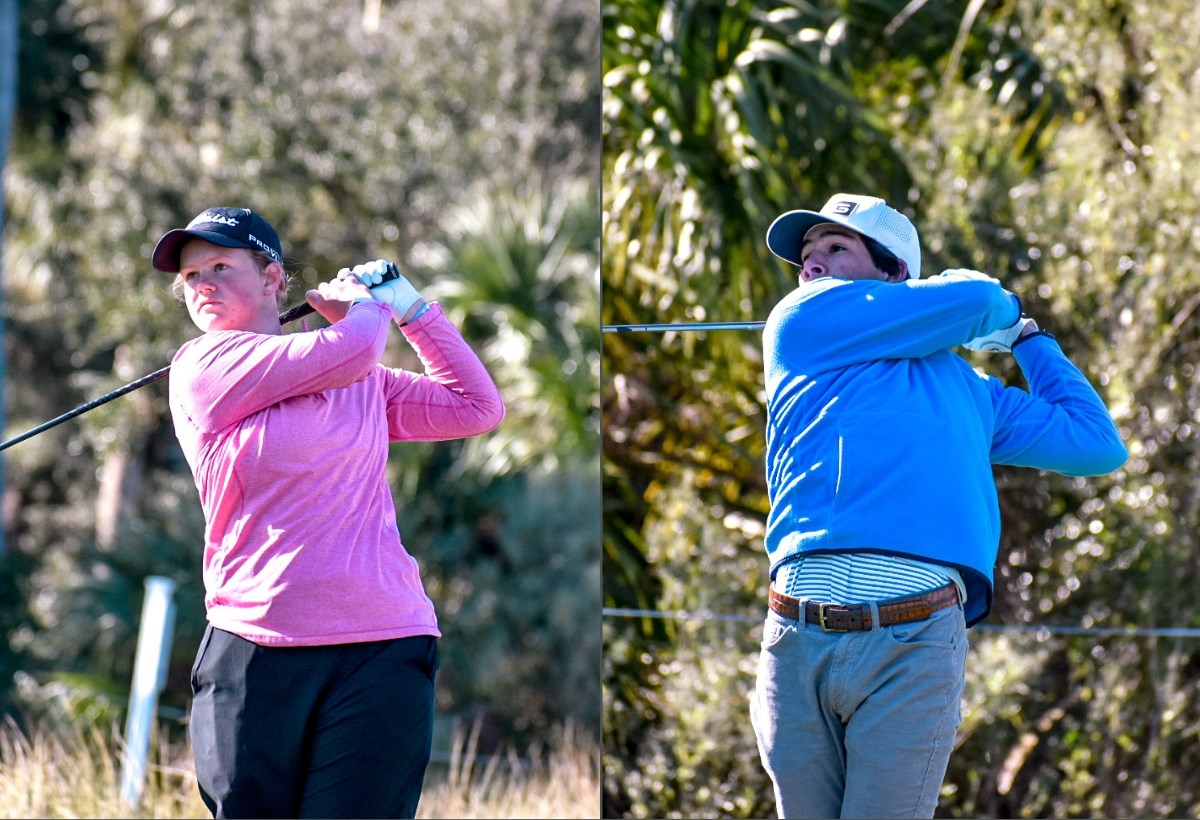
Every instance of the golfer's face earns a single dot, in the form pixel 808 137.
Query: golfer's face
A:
pixel 224 289
pixel 831 250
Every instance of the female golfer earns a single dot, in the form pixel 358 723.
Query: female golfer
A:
pixel 313 684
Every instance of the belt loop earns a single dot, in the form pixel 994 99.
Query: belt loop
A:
pixel 875 622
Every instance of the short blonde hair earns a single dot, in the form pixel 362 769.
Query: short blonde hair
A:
pixel 261 260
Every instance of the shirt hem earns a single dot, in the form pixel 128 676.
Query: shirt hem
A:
pixel 276 639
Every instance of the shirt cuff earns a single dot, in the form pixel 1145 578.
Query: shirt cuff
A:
pixel 420 312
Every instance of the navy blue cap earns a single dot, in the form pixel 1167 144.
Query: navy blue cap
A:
pixel 227 227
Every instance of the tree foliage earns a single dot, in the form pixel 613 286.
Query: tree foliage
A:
pixel 1048 144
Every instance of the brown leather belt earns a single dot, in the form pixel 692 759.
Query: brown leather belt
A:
pixel 857 617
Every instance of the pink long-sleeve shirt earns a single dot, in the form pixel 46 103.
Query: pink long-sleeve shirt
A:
pixel 287 437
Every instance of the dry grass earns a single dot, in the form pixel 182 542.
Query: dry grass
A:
pixel 562 783
pixel 46 775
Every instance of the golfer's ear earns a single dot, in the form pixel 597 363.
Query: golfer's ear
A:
pixel 902 271
pixel 273 275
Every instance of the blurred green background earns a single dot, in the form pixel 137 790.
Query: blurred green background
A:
pixel 1053 145
pixel 461 142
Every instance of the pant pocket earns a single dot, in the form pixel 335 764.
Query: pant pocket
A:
pixel 200 652
pixel 775 627
pixel 946 628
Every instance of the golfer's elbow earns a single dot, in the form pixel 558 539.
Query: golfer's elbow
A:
pixel 480 413
pixel 491 414
pixel 1108 454
pixel 1116 455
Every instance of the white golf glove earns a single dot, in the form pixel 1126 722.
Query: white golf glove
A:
pixel 1000 341
pixel 398 293
pixel 967 273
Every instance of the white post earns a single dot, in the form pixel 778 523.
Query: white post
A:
pixel 149 678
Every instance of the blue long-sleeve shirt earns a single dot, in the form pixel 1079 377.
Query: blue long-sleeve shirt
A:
pixel 880 439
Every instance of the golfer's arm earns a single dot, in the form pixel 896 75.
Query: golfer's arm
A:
pixel 1062 424
pixel 454 397
pixel 850 323
pixel 224 380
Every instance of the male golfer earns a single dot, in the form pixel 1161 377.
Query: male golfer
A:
pixel 884 523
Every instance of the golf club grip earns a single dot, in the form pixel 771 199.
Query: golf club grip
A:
pixel 304 308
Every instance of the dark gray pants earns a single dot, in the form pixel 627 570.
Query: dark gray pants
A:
pixel 323 731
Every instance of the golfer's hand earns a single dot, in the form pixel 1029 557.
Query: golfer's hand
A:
pixel 333 299
pixel 967 273
pixel 398 293
pixel 1001 341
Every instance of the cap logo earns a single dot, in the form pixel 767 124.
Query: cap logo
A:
pixel 844 208
pixel 211 217
pixel 267 248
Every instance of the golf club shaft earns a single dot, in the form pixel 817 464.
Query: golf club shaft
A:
pixel 289 315
pixel 91 405
pixel 663 328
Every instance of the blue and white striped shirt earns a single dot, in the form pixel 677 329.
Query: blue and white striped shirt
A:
pixel 855 577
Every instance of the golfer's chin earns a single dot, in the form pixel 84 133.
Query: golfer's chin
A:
pixel 209 318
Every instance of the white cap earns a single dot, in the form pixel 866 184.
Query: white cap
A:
pixel 866 215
